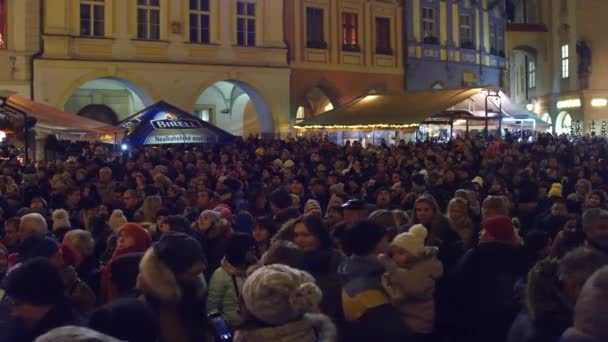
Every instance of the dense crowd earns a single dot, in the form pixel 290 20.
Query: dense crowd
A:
pixel 306 240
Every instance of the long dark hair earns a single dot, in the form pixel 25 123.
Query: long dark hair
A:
pixel 316 227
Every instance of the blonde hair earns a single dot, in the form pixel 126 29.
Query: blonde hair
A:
pixel 151 205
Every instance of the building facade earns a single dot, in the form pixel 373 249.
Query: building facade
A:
pixel 557 65
pixel 340 50
pixel 224 60
pixel 454 43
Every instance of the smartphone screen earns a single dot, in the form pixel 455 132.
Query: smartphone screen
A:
pixel 222 332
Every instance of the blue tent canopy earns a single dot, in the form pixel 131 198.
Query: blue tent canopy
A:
pixel 162 123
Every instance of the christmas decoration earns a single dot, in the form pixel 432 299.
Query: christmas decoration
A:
pixel 604 128
pixel 592 128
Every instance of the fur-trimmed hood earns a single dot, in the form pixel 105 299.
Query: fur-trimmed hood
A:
pixel 156 280
pixel 311 328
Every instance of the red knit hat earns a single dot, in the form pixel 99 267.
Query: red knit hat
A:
pixel 500 228
pixel 141 236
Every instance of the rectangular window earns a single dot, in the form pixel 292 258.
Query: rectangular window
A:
pixel 428 24
pixel 500 40
pixel 493 49
pixel 531 74
pixel 565 61
pixel 466 32
pixel 245 23
pixel 3 17
pixel 199 21
pixel 92 18
pixel 383 36
pixel 350 31
pixel 148 19
pixel 315 34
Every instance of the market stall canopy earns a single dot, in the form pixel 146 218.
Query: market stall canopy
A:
pixel 405 110
pixel 53 120
pixel 389 110
pixel 162 123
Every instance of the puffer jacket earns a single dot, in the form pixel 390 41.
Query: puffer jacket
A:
pixel 311 328
pixel 224 289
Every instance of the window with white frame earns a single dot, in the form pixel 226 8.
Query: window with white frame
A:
pixel 199 21
pixel 429 23
pixel 531 73
pixel 92 18
pixel 148 19
pixel 466 31
pixel 245 23
pixel 565 61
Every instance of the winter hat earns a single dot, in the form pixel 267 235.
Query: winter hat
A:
pixel 37 247
pixel 556 190
pixel 336 188
pixel 178 251
pixel 277 294
pixel 117 219
pixel 289 164
pixel 225 212
pixel 36 282
pixel 212 214
pixel 127 319
pixel 237 248
pixel 478 180
pixel 140 235
pixel 412 241
pixel 277 163
pixel 312 207
pixel 72 333
pixel 259 152
pixel 61 218
pixel 500 228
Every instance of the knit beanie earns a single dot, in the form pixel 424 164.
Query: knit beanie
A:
pixel 178 251
pixel 277 294
pixel 500 228
pixel 61 218
pixel 212 214
pixel 312 207
pixel 556 190
pixel 224 211
pixel 363 237
pixel 36 282
pixel 412 241
pixel 117 219
pixel 140 235
pixel 71 333
pixel 37 247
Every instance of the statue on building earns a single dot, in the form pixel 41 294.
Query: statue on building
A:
pixel 584 58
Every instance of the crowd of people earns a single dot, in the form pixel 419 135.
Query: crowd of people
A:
pixel 305 240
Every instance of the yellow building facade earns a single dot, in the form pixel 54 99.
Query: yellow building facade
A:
pixel 557 57
pixel 224 60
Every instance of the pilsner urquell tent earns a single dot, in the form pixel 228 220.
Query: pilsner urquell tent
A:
pixel 162 123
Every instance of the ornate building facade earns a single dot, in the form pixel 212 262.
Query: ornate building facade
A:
pixel 454 43
pixel 342 49
pixel 557 65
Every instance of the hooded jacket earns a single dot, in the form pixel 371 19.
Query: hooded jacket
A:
pixel 366 304
pixel 180 306
pixel 224 289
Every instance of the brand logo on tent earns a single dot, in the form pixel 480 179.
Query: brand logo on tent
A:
pixel 173 124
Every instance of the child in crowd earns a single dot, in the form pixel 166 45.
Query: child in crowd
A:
pixel 410 280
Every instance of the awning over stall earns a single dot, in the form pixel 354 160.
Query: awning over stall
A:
pixel 53 120
pixel 162 123
pixel 390 110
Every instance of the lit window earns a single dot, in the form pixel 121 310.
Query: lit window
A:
pixel 565 61
pixel 315 36
pixel 300 115
pixel 245 23
pixel 350 28
pixel 383 36
pixel 428 22
pixel 3 25
pixel 199 21
pixel 148 19
pixel 92 18
pixel 531 74
pixel 466 32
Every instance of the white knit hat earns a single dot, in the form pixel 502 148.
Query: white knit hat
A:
pixel 117 219
pixel 277 294
pixel 61 218
pixel 412 240
pixel 312 206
